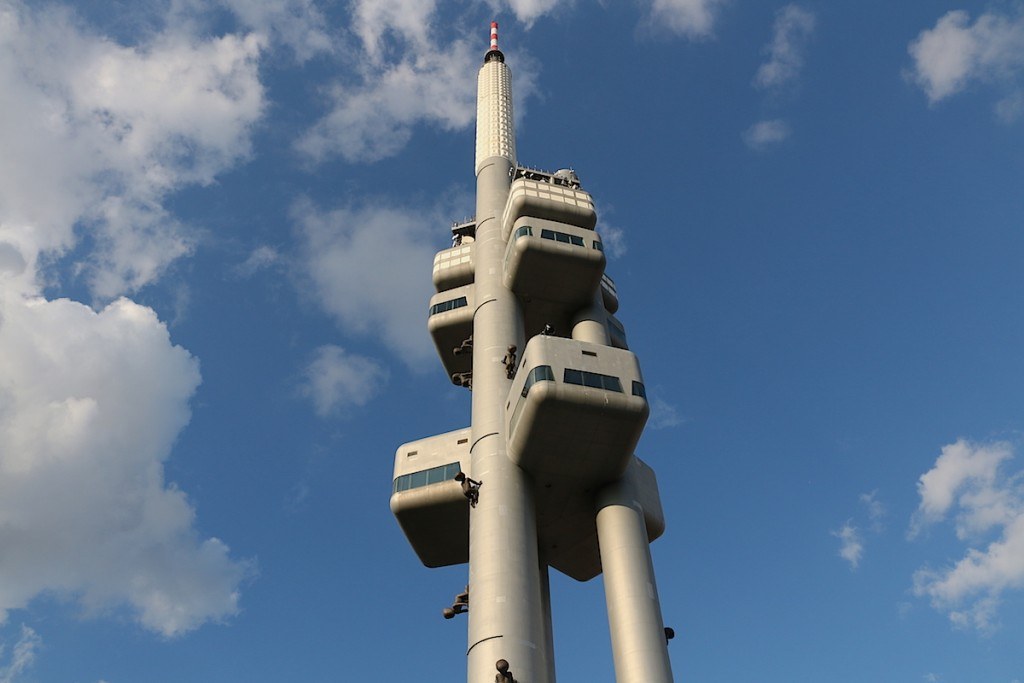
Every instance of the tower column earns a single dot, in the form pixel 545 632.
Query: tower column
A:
pixel 588 325
pixel 506 619
pixel 639 648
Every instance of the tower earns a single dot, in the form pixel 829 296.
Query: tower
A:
pixel 545 476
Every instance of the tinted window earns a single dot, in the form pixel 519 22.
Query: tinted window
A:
pixel 445 306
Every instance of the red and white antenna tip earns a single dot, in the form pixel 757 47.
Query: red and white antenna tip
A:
pixel 494 35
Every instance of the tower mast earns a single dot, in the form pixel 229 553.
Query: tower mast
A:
pixel 505 620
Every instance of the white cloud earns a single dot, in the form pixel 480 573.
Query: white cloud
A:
pixel 613 237
pixel 406 21
pixel 766 133
pixel 23 655
pixel 375 120
pixel 966 468
pixel 793 26
pixel 370 269
pixel 875 509
pixel 663 414
pixel 955 53
pixel 528 11
pixel 335 380
pixel 298 24
pixel 90 405
pixel 260 258
pixel 968 479
pixel 97 134
pixel 690 18
pixel 851 544
pixel 405 75
pixel 404 81
pixel 850 535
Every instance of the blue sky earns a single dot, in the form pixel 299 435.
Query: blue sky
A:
pixel 814 217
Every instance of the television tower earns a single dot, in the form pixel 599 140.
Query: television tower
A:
pixel 545 476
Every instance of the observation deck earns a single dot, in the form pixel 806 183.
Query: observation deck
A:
pixel 542 195
pixel 433 512
pixel 554 261
pixel 450 323
pixel 453 267
pixel 575 411
pixel 428 503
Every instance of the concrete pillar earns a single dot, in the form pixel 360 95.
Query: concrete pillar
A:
pixel 588 325
pixel 506 619
pixel 634 611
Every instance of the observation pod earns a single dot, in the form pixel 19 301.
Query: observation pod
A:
pixel 554 261
pixel 453 267
pixel 549 199
pixel 426 500
pixel 575 410
pixel 450 323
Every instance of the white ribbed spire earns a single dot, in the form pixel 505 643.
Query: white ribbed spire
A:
pixel 495 127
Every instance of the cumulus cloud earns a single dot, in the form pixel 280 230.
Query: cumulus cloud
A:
pixel 793 26
pixel 22 656
pixel 964 474
pixel 689 18
pixel 405 77
pixel 764 134
pixel 851 543
pixel 374 120
pixel 335 380
pixel 369 266
pixel 90 405
pixel 955 53
pixel 969 480
pixel 97 134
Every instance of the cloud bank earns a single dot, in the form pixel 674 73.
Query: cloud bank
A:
pixel 90 405
pixel 96 136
